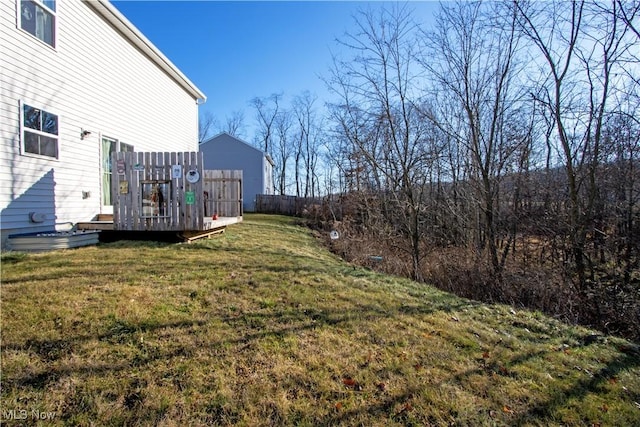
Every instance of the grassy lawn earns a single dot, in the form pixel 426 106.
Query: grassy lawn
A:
pixel 262 326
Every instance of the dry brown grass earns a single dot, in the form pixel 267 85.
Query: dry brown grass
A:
pixel 261 326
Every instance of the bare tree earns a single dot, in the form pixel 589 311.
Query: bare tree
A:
pixel 378 87
pixel 628 12
pixel 282 149
pixel 267 109
pixel 471 57
pixel 234 124
pixel 582 44
pixel 516 135
pixel 207 124
pixel 308 144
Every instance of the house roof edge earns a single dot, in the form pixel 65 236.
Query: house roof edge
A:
pixel 114 17
pixel 239 140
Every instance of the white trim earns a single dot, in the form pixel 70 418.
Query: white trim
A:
pixel 104 206
pixel 106 10
pixel 101 170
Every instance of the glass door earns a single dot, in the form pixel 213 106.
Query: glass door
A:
pixel 109 146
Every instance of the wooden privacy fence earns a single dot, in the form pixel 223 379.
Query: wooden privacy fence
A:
pixel 223 193
pixel 285 205
pixel 166 192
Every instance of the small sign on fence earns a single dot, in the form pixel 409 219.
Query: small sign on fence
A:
pixel 189 197
pixel 176 171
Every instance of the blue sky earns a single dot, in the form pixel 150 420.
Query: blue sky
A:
pixel 237 50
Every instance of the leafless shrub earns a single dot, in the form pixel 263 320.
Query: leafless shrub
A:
pixel 610 305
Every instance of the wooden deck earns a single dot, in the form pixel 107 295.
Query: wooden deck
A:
pixel 169 194
pixel 211 227
pixel 210 223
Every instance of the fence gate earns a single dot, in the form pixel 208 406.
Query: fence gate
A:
pixel 222 190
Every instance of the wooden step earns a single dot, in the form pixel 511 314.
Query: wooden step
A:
pixel 95 225
pixel 99 222
pixel 104 217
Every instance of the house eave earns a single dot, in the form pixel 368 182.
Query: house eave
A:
pixel 270 160
pixel 107 11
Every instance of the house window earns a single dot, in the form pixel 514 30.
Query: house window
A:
pixel 38 17
pixel 39 132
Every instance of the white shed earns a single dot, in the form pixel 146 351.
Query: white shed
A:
pixel 225 151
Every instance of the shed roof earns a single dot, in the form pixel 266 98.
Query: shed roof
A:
pixel 268 157
pixel 106 10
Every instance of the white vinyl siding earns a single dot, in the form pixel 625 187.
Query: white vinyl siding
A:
pixel 94 80
pixel 228 152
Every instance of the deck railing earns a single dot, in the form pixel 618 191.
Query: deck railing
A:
pixel 170 192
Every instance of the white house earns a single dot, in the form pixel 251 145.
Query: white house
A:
pixel 79 81
pixel 225 151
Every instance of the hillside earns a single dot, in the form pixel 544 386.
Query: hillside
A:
pixel 261 326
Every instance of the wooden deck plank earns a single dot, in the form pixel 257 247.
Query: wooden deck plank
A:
pixel 209 224
pixel 190 236
pixel 95 225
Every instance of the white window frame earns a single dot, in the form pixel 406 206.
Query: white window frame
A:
pixel 103 172
pixel 24 129
pixel 47 9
